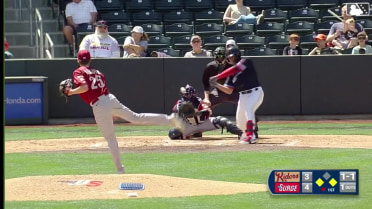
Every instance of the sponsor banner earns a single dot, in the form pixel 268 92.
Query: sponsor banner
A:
pixel 284 176
pixel 287 187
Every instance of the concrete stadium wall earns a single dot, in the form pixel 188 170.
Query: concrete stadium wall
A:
pixel 293 85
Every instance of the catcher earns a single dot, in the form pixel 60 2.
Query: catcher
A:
pixel 196 114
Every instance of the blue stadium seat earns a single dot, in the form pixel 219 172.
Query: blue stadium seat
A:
pixel 112 17
pixel 261 51
pixel 221 5
pixel 198 5
pixel 275 15
pixel 367 25
pixel 208 16
pixel 158 42
pixel 138 5
pixel 171 52
pixel 269 28
pixel 182 43
pixel 178 29
pixel 260 5
pixel 300 27
pixel 178 16
pixel 291 4
pixel 307 41
pixel 321 4
pixel 104 5
pixel 278 41
pixel 208 29
pixel 304 14
pixel 153 29
pixel 325 15
pixel 144 17
pixel 239 29
pixel 119 31
pixel 211 42
pixel 325 26
pixel 168 5
pixel 250 41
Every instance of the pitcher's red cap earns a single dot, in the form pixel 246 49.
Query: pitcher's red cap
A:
pixel 83 55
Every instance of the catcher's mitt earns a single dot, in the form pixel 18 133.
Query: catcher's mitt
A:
pixel 187 110
pixel 64 87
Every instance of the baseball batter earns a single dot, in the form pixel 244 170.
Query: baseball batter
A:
pixel 213 96
pixel 100 43
pixel 243 78
pixel 197 120
pixel 91 87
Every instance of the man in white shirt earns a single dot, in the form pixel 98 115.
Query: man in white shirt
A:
pixel 79 14
pixel 100 43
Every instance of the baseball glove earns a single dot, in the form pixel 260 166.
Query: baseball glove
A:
pixel 187 110
pixel 64 87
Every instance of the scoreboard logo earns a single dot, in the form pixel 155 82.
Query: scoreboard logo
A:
pixel 287 187
pixel 358 9
pixel 287 176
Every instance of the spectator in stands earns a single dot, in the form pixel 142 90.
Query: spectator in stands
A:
pixel 230 43
pixel 293 48
pixel 79 14
pixel 136 44
pixel 100 43
pixel 363 47
pixel 239 13
pixel 343 32
pixel 7 53
pixel 197 50
pixel 322 48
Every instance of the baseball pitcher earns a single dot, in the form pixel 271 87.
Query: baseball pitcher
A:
pixel 196 115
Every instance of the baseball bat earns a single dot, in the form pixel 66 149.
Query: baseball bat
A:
pixel 335 15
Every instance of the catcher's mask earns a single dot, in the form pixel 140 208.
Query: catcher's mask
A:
pixel 188 92
pixel 219 55
pixel 234 51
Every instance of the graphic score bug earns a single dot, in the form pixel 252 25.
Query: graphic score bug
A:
pixel 289 182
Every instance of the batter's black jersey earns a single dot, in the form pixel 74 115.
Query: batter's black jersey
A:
pixel 212 69
pixel 246 79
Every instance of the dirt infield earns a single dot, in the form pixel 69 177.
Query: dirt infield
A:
pixel 79 187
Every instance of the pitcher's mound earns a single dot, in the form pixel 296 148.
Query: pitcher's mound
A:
pixel 82 187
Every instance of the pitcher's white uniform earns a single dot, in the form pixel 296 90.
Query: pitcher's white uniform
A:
pixel 106 47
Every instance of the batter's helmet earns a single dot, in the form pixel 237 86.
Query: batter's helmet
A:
pixel 188 91
pixel 174 133
pixel 234 51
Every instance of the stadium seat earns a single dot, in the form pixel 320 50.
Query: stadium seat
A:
pixel 178 16
pixel 269 28
pixel 367 25
pixel 198 5
pixel 221 5
pixel 304 14
pixel 275 15
pixel 178 29
pixel 278 41
pixel 208 29
pixel 260 5
pixel 119 31
pixel 324 27
pixel 307 41
pixel 208 16
pixel 291 4
pixel 104 5
pixel 321 4
pixel 168 5
pixel 144 17
pixel 250 41
pixel 300 27
pixel 112 17
pixel 355 1
pixel 182 43
pixel 211 42
pixel 261 51
pixel 138 5
pixel 171 52
pixel 158 42
pixel 325 15
pixel 153 29
pixel 305 51
pixel 239 29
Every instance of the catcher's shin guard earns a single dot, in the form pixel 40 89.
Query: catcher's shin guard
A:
pixel 223 122
pixel 175 133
